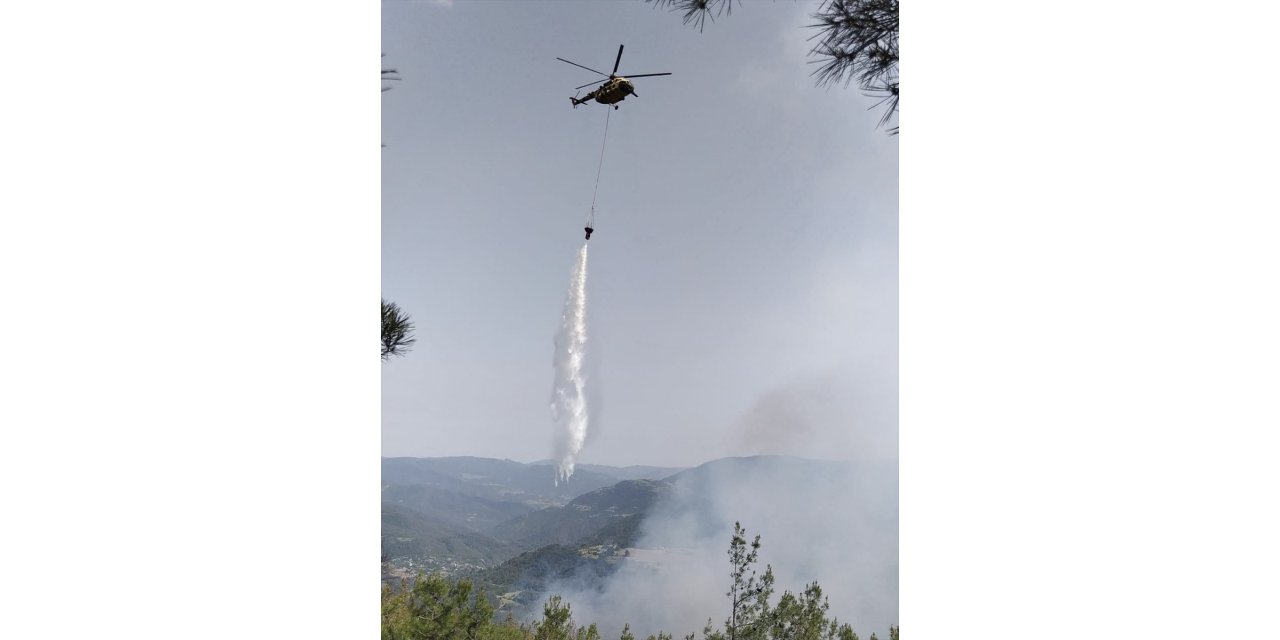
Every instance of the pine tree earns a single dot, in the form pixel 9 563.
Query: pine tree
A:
pixel 397 330
pixel 748 594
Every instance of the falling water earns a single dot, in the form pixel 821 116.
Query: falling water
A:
pixel 568 395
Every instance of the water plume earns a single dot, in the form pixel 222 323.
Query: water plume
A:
pixel 568 394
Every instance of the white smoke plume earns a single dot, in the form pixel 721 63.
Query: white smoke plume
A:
pixel 831 522
pixel 568 394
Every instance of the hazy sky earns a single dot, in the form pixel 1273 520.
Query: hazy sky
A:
pixel 742 285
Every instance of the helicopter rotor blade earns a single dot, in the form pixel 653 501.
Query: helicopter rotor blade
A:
pixel 618 61
pixel 646 75
pixel 578 65
pixel 589 84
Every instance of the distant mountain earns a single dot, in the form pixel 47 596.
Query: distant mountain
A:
pixel 585 516
pixel 489 510
pixel 453 507
pixel 612 515
pixel 633 472
pixel 429 544
pixel 503 480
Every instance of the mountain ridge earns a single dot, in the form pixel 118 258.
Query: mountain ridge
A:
pixel 432 506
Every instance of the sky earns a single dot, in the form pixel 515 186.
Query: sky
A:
pixel 742 283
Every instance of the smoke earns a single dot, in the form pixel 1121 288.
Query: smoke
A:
pixel 568 395
pixel 843 413
pixel 831 522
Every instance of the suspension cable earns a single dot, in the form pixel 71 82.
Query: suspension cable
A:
pixel 591 219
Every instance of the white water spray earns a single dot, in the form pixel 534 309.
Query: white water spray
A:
pixel 568 395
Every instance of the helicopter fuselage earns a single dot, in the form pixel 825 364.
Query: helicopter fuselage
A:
pixel 615 90
pixel 612 91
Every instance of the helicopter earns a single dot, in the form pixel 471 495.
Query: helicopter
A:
pixel 615 89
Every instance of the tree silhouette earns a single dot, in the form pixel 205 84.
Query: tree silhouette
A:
pixel 397 330
pixel 748 594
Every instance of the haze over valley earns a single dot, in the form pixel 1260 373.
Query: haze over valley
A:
pixel 645 545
